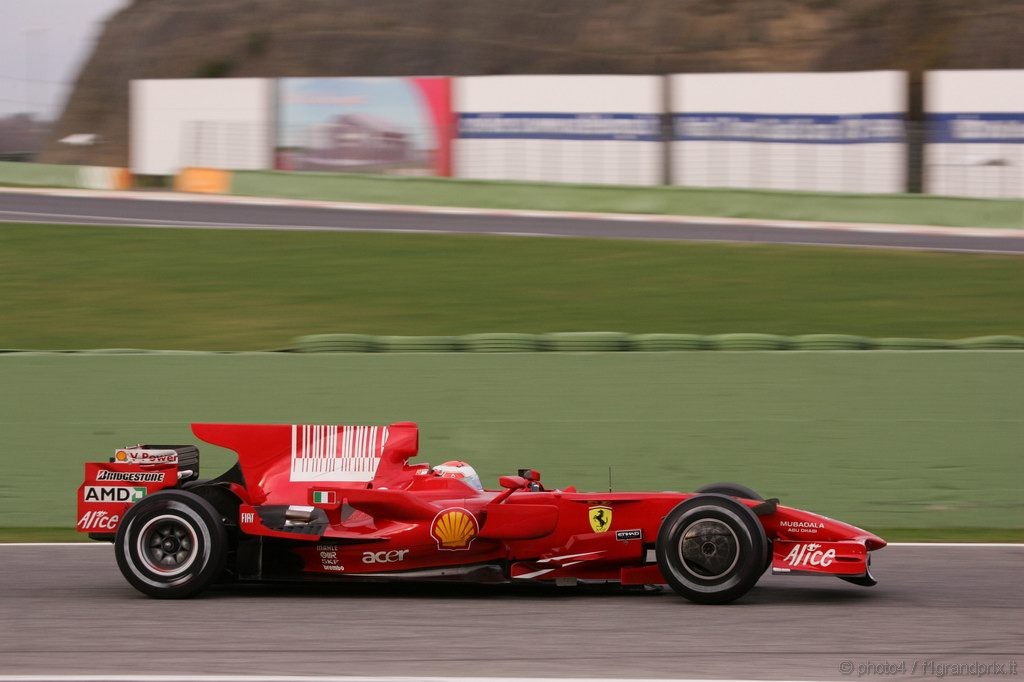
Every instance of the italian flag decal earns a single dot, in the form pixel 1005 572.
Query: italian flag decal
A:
pixel 325 497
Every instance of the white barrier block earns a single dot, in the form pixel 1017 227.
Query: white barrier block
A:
pixel 211 123
pixel 975 144
pixel 827 132
pixel 585 129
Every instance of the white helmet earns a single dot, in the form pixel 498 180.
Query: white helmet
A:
pixel 460 470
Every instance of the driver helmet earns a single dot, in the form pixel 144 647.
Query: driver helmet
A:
pixel 460 470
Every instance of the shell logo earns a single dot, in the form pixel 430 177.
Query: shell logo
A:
pixel 454 529
pixel 121 456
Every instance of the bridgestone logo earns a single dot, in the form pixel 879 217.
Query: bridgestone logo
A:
pixel 131 476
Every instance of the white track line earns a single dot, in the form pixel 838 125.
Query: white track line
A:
pixel 585 215
pixel 974 545
pixel 326 678
pixel 130 221
pixel 83 543
pixel 957 544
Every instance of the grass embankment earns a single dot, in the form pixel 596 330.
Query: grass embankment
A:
pixel 918 440
pixel 85 287
pixel 923 441
pixel 912 209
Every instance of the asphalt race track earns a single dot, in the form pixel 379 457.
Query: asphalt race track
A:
pixel 49 208
pixel 66 609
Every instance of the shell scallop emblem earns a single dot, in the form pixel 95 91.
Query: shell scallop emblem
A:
pixel 454 529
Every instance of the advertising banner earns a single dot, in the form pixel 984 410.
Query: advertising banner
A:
pixel 586 129
pixel 975 142
pixel 397 126
pixel 833 132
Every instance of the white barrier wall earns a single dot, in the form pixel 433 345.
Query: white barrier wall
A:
pixel 975 138
pixel 588 129
pixel 214 123
pixel 830 132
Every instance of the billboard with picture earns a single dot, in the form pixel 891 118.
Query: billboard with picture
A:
pixel 398 126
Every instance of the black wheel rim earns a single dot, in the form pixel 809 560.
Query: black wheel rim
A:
pixel 709 549
pixel 167 545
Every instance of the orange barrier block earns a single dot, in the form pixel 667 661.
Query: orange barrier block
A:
pixel 122 178
pixel 203 181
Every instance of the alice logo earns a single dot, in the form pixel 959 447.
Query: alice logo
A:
pixel 454 529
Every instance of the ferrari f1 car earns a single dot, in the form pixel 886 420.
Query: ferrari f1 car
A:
pixel 307 502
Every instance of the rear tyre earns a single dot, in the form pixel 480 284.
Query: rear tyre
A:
pixel 171 545
pixel 711 549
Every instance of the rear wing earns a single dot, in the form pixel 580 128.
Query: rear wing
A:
pixel 131 474
pixel 186 457
pixel 280 463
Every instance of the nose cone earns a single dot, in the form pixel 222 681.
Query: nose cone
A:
pixel 870 540
pixel 840 530
pixel 873 542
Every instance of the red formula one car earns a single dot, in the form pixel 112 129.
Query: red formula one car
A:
pixel 329 502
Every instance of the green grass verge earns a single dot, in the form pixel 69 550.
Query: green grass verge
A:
pixel 922 440
pixel 952 534
pixel 18 174
pixel 85 287
pixel 29 534
pixel 876 208
pixel 45 534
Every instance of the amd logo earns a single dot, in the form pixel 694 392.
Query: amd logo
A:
pixel 114 493
pixel 384 557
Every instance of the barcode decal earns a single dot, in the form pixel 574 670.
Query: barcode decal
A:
pixel 336 453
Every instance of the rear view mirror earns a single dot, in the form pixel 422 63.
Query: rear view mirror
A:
pixel 530 474
pixel 512 482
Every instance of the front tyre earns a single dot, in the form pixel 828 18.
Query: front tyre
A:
pixel 730 489
pixel 711 549
pixel 739 490
pixel 172 544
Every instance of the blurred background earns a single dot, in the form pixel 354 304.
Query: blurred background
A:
pixel 907 114
pixel 789 256
pixel 70 65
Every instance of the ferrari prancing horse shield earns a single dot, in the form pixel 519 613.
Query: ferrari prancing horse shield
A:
pixel 600 518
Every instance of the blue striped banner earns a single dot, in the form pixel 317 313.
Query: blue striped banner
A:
pixel 977 127
pixel 789 128
pixel 559 126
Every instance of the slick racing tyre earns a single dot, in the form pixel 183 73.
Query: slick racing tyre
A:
pixel 730 489
pixel 172 544
pixel 738 490
pixel 711 549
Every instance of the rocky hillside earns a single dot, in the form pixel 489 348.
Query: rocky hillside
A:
pixel 230 38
